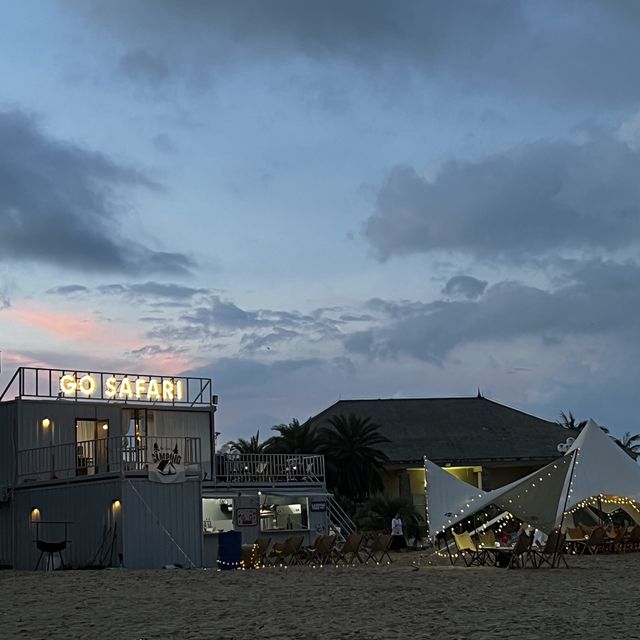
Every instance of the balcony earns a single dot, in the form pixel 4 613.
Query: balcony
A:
pixel 126 455
pixel 242 469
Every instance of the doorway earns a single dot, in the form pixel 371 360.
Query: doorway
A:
pixel 92 447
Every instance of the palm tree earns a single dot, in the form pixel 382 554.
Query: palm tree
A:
pixel 630 444
pixel 569 422
pixel 352 456
pixel 253 445
pixel 295 438
pixel 377 512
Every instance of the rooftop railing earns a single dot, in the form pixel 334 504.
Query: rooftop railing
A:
pixel 268 469
pixel 108 456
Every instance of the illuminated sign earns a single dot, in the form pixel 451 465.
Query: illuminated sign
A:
pixel 123 388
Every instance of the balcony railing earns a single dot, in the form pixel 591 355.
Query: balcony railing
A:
pixel 268 469
pixel 104 456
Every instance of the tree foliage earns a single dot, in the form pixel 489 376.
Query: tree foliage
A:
pixel 253 445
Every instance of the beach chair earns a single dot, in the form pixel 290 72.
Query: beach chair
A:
pixel 522 552
pixel 286 552
pixel 321 551
pixel 632 543
pixel 466 549
pixel 487 546
pixel 553 551
pixel 379 548
pixel 615 543
pixel 350 550
pixel 593 543
pixel 307 552
pixel 575 536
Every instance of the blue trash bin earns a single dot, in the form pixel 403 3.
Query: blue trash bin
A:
pixel 229 550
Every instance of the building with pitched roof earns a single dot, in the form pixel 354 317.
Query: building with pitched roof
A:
pixel 483 442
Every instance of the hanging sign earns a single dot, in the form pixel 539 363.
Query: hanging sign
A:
pixel 166 464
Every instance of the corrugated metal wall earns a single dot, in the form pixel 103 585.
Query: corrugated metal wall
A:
pixel 88 506
pixel 162 523
pixel 8 411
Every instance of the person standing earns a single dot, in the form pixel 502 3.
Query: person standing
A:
pixel 397 534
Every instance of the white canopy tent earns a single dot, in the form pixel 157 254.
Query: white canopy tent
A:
pixel 595 470
pixel 536 499
pixel 604 474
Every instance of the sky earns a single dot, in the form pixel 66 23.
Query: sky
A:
pixel 309 201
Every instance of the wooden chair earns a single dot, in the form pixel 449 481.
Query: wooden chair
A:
pixel 350 550
pixel 286 552
pixel 379 549
pixel 616 543
pixel 575 536
pixel 466 549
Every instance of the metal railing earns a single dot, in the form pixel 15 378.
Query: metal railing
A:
pixel 105 456
pixel 339 520
pixel 268 468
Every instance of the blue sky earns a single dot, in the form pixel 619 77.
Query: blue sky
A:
pixel 308 201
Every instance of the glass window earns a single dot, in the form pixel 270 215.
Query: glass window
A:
pixel 217 514
pixel 283 512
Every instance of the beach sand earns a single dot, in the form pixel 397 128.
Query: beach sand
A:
pixel 596 598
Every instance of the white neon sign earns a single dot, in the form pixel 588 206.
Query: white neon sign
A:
pixel 125 388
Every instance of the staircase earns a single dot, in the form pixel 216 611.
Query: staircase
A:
pixel 339 521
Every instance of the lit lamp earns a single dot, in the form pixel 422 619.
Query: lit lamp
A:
pixel 50 424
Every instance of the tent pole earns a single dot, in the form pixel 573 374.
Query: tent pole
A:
pixel 564 508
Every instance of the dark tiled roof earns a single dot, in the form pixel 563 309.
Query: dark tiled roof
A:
pixel 454 429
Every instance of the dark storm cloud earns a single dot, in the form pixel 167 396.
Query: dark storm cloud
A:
pixel 61 205
pixel 464 287
pixel 597 298
pixel 560 51
pixel 528 200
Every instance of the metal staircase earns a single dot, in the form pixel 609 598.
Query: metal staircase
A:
pixel 339 521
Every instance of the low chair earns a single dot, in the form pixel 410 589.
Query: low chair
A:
pixel 487 546
pixel 286 552
pixel 466 549
pixel 616 543
pixel 350 550
pixel 379 549
pixel 553 551
pixel 522 552
pixel 633 541
pixel 321 551
pixel 594 542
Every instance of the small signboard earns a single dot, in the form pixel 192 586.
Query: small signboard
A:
pixel 318 505
pixel 246 517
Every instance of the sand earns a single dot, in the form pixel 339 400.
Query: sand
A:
pixel 596 598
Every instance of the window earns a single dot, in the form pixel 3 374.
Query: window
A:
pixel 283 512
pixel 217 514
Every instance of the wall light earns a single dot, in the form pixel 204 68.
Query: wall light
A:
pixel 35 513
pixel 46 423
pixel 116 504
pixel 105 426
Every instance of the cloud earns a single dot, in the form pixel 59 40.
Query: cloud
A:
pixel 151 289
pixel 464 287
pixel 64 205
pixel 5 302
pixel 67 290
pixel 517 48
pixel 530 200
pixel 597 298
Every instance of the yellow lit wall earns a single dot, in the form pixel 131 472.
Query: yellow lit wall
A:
pixel 471 475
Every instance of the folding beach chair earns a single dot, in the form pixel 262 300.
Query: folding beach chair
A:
pixel 593 543
pixel 263 546
pixel 286 552
pixel 379 549
pixel 321 551
pixel 522 552
pixel 553 551
pixel 633 541
pixel 487 546
pixel 350 550
pixel 466 549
